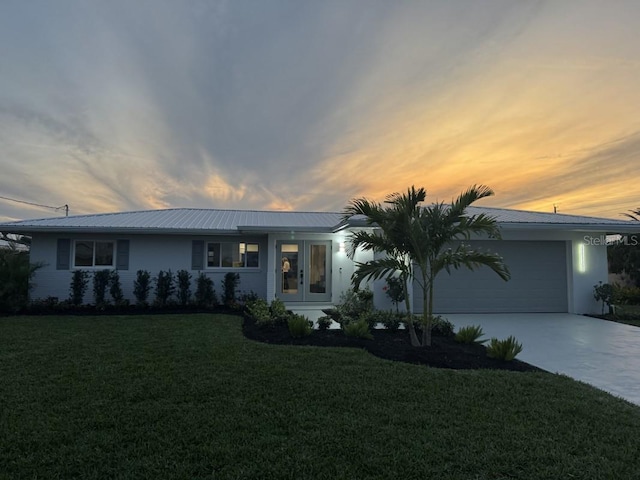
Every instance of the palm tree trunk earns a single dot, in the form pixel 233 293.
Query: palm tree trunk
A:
pixel 415 342
pixel 427 312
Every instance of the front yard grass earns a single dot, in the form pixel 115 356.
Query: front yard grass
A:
pixel 189 397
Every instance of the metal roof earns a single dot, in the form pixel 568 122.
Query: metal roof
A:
pixel 507 217
pixel 183 220
pixel 199 221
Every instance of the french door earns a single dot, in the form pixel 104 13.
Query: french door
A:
pixel 303 271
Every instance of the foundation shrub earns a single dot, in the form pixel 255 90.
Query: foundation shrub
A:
pixel 258 310
pixel 355 303
pixel 100 283
pixel 441 326
pixel 357 329
pixel 390 320
pixel 165 287
pixel 115 288
pixel 299 326
pixel 324 322
pixel 78 287
pixel 279 312
pixel 142 287
pixel 184 287
pixel 205 294
pixel 230 285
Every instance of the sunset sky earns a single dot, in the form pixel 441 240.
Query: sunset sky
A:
pixel 268 104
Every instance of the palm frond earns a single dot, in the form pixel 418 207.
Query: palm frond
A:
pixel 362 206
pixel 464 256
pixel 367 241
pixel 377 269
pixel 634 215
pixel 465 199
pixel 480 224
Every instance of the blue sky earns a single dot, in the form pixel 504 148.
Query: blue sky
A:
pixel 265 104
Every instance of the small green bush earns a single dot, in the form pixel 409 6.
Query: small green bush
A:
pixel 355 303
pixel 299 326
pixel 249 296
pixel 623 295
pixel 141 287
pixel 441 326
pixel 184 286
pixel 505 350
pixel 100 284
pixel 205 295
pixel 357 329
pixel 390 320
pixel 115 288
pixel 324 322
pixel 78 287
pixel 470 334
pixel 258 309
pixel 278 311
pixel 371 317
pixel 230 284
pixel 164 287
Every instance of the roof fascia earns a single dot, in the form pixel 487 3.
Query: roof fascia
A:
pixel 253 229
pixel 575 227
pixel 25 230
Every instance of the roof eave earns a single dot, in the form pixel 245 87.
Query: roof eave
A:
pixel 26 230
pixel 576 227
pixel 263 229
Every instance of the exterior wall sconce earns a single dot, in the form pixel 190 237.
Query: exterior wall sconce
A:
pixel 582 261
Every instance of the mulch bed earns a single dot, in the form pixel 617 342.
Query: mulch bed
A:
pixel 444 352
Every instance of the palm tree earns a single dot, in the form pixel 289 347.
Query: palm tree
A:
pixel 420 243
pixel 392 222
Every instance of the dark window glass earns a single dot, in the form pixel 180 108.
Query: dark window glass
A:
pixel 252 255
pixel 104 254
pixel 213 255
pixel 84 254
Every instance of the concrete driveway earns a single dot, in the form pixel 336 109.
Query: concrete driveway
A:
pixel 600 353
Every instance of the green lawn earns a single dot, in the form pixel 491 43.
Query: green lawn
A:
pixel 188 397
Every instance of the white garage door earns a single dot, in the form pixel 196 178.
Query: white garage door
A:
pixel 538 281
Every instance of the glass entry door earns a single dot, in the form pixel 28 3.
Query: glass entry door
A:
pixel 304 272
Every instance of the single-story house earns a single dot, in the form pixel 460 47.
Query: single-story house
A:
pixel 299 257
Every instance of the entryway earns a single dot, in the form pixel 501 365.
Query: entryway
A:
pixel 304 271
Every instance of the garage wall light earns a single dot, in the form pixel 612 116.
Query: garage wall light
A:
pixel 582 261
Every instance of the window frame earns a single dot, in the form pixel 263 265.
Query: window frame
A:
pixel 235 247
pixel 93 265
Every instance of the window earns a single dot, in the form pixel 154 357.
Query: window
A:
pixel 233 255
pixel 89 253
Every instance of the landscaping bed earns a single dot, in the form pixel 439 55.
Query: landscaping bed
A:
pixel 444 352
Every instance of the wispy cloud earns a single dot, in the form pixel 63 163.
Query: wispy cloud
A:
pixel 302 105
